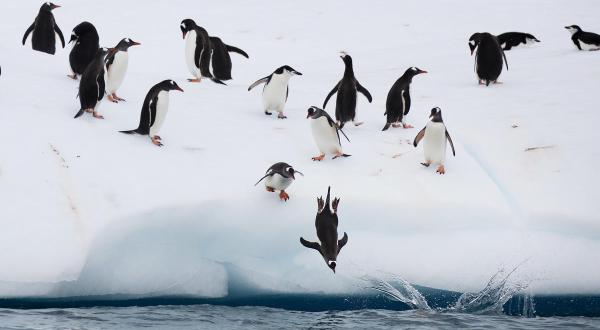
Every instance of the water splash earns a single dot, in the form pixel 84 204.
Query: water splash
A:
pixel 398 289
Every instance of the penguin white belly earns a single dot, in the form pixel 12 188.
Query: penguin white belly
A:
pixel 190 50
pixel 325 136
pixel 116 72
pixel 434 143
pixel 274 93
pixel 162 106
pixel 585 46
pixel 278 182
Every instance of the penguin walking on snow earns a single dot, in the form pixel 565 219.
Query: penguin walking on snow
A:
pixel 276 90
pixel 198 51
pixel 345 107
pixel 326 223
pixel 584 40
pixel 116 67
pixel 279 177
pixel 154 110
pixel 92 85
pixel 220 60
pixel 434 136
pixel 397 104
pixel 489 57
pixel 86 43
pixel 509 40
pixel 44 29
pixel 326 134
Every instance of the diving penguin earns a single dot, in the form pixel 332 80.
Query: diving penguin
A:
pixel 584 40
pixel 397 104
pixel 434 136
pixel 345 107
pixel 326 223
pixel 276 90
pixel 44 28
pixel 116 67
pixel 92 85
pixel 220 60
pixel 86 43
pixel 154 110
pixel 509 40
pixel 326 134
pixel 198 51
pixel 489 57
pixel 279 177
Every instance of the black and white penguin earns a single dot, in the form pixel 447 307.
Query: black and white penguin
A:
pixel 434 136
pixel 397 104
pixel 220 60
pixel 92 85
pixel 326 223
pixel 154 110
pixel 345 107
pixel 584 40
pixel 198 51
pixel 509 40
pixel 279 177
pixel 489 57
pixel 326 134
pixel 276 90
pixel 86 43
pixel 44 27
pixel 116 67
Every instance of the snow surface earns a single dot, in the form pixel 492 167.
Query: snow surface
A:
pixel 116 214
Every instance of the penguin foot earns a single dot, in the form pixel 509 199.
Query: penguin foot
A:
pixel 72 76
pixel 358 123
pixel 396 125
pixel 114 95
pixel 89 110
pixel 112 99
pixel 96 115
pixel 281 116
pixel 319 158
pixel 497 82
pixel 269 189
pixel 481 82
pixel 407 126
pixel 156 142
pixel 268 113
pixel 158 138
pixel 426 164
pixel 195 80
pixel 284 196
pixel 441 169
pixel 340 154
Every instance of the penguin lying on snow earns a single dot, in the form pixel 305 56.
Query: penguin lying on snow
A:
pixel 85 45
pixel 44 27
pixel 154 110
pixel 279 177
pixel 397 104
pixel 584 40
pixel 489 57
pixel 434 136
pixel 326 223
pixel 326 134
pixel 220 59
pixel 116 67
pixel 276 90
pixel 198 51
pixel 92 85
pixel 513 39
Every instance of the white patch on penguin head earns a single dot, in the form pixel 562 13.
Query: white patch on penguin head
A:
pixel 183 26
pixel 343 53
pixel 414 69
pixel 472 43
pixel 172 83
pixel 127 40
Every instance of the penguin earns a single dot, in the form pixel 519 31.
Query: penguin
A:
pixel 92 85
pixel 279 177
pixel 434 136
pixel 326 223
pixel 345 107
pixel 220 60
pixel 397 104
pixel 154 110
pixel 86 43
pixel 488 58
pixel 584 40
pixel 44 27
pixel 276 90
pixel 326 134
pixel 198 51
pixel 116 67
pixel 513 39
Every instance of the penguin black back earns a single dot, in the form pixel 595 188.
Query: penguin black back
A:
pixel 44 29
pixel 398 101
pixel 509 40
pixel 86 43
pixel 489 58
pixel 221 61
pixel 92 85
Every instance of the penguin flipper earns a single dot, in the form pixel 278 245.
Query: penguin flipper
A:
pixel 364 91
pixel 258 82
pixel 29 29
pixel 133 131
pixel 342 242
pixel 101 86
pixel 419 136
pixel 60 34
pixel 311 245
pixel 266 175
pixel 236 50
pixel 451 143
pixel 335 89
pixel 505 61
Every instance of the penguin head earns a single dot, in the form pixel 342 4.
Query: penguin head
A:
pixel 287 70
pixel 474 41
pixel 125 43
pixel 436 114
pixel 186 26
pixel 290 172
pixel 312 111
pixel 346 58
pixel 48 6
pixel 573 28
pixel 413 71
pixel 169 85
pixel 332 265
pixel 82 29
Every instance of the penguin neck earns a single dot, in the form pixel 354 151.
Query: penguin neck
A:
pixel 348 71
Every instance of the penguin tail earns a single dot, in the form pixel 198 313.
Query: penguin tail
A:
pixel 133 131
pixel 346 155
pixel 217 81
pixel 487 82
pixel 387 125
pixel 78 114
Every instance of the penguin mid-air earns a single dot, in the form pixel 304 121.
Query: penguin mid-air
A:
pixel 276 90
pixel 584 40
pixel 326 223
pixel 92 85
pixel 198 51
pixel 44 29
pixel 220 60
pixel 279 177
pixel 345 107
pixel 86 43
pixel 489 57
pixel 116 67
pixel 434 136
pixel 326 134
pixel 397 104
pixel 509 40
pixel 154 110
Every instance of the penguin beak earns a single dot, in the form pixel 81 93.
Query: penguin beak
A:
pixel 135 43
pixel 53 6
pixel 183 34
pixel 421 71
pixel 179 89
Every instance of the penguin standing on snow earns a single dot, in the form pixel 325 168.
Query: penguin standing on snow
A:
pixel 434 136
pixel 276 90
pixel 92 85
pixel 116 67
pixel 326 134
pixel 44 27
pixel 584 40
pixel 221 61
pixel 154 110
pixel 489 57
pixel 326 223
pixel 398 99
pixel 345 107
pixel 279 177
pixel 198 51
pixel 513 39
pixel 86 43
